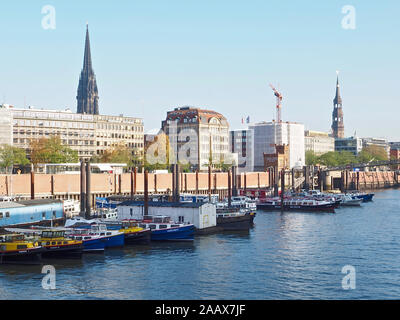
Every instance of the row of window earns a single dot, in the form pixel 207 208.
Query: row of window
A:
pixel 7 214
pixel 119 127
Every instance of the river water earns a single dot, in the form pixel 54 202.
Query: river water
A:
pixel 285 256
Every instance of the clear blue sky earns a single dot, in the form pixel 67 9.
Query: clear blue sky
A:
pixel 150 56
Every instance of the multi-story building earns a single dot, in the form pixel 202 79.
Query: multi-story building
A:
pixel 198 136
pixel 88 134
pixel 241 142
pixel 350 144
pixel 377 142
pixel 112 131
pixel 6 127
pixel 395 153
pixel 269 134
pixel 318 142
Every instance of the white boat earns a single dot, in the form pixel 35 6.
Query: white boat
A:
pixel 349 201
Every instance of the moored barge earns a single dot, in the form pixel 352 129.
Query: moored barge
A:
pixel 14 249
pixel 306 205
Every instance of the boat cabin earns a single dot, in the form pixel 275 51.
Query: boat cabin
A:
pixel 12 238
pixel 50 234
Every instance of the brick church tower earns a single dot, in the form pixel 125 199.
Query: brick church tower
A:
pixel 88 97
pixel 337 114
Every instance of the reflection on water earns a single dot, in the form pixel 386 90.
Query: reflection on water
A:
pixel 285 256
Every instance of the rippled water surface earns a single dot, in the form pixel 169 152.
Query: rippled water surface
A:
pixel 285 256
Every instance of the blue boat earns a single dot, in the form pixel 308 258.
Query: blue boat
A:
pixel 110 238
pixel 91 242
pixel 365 197
pixel 164 230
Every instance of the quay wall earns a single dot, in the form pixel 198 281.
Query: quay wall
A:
pixel 348 180
pixel 63 186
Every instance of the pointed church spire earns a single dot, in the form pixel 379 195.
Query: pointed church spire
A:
pixel 87 60
pixel 337 114
pixel 338 98
pixel 88 98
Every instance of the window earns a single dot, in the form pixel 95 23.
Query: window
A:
pixel 131 211
pixel 7 214
pixel 163 226
pixel 181 219
pixel 1 215
pixel 43 215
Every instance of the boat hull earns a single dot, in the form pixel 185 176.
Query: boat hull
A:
pixel 365 197
pixel 311 208
pixel 140 237
pixel 185 233
pixel 31 256
pixel 72 251
pixel 114 241
pixel 243 222
pixel 94 246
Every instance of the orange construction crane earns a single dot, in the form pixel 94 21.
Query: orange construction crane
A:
pixel 279 97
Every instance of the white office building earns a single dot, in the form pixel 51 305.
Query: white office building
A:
pixel 319 142
pixel 269 134
pixel 241 143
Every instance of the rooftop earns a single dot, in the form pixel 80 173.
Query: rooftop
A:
pixel 27 203
pixel 131 203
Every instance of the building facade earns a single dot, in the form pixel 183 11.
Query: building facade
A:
pixel 337 114
pixel 269 134
pixel 241 142
pixel 197 136
pixel 318 142
pixel 350 144
pixel 377 142
pixel 395 153
pixel 279 160
pixel 88 96
pixel 86 133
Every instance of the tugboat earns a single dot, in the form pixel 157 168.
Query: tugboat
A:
pixel 14 249
pixel 162 229
pixel 57 245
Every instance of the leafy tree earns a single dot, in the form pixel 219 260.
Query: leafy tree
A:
pixel 372 153
pixel 311 158
pixel 51 150
pixel 118 154
pixel 10 156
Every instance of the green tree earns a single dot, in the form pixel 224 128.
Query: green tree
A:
pixel 372 153
pixel 118 154
pixel 10 156
pixel 311 158
pixel 51 150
